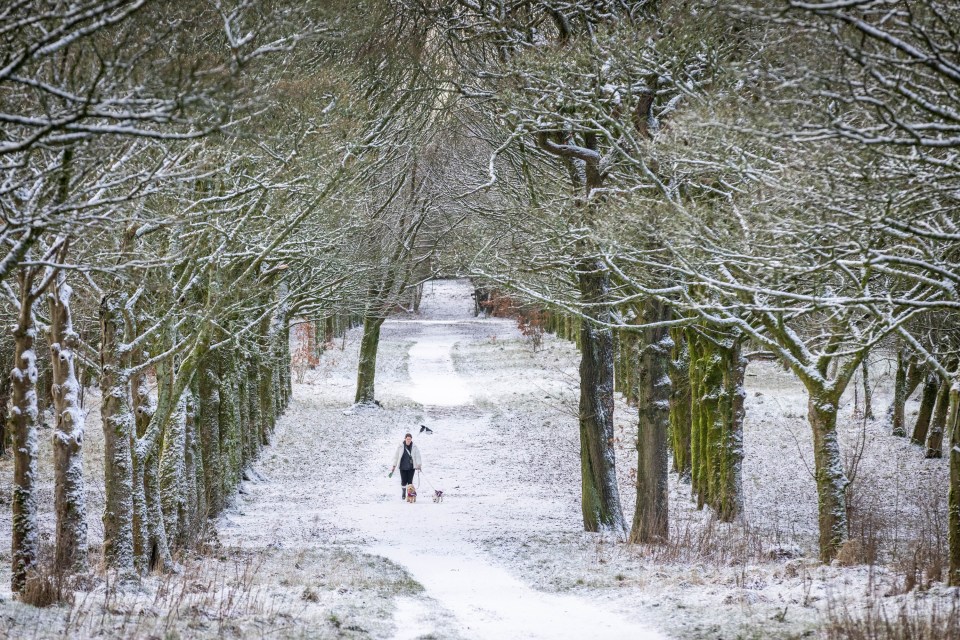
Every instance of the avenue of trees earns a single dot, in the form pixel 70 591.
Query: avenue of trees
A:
pixel 683 185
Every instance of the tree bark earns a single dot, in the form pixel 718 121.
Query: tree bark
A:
pixel 928 400
pixel 143 409
pixel 231 440
pixel 908 377
pixel 266 396
pixel 600 493
pixel 829 473
pixel 730 498
pixel 328 330
pixel 367 368
pixel 938 422
pixel 22 423
pixel 680 404
pixel 209 384
pixel 285 364
pixel 195 501
pixel 716 369
pixel 699 443
pixel 651 517
pixel 69 489
pixel 258 434
pixel 173 489
pixel 953 500
pixel 899 396
pixel 867 390
pixel 118 430
pixel 248 435
pixel 157 553
pixel 6 364
pixel 150 533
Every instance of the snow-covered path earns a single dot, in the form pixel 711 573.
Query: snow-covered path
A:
pixel 325 488
pixel 435 542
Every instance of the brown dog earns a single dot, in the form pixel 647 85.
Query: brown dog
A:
pixel 411 493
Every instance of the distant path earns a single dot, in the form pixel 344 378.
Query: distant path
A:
pixel 435 542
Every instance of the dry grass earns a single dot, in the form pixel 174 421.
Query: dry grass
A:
pixel 911 620
pixel 711 542
pixel 230 594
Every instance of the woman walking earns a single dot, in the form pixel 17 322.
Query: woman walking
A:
pixel 408 459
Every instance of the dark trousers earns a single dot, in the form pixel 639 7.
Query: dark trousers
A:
pixel 406 476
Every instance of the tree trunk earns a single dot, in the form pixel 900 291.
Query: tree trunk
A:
pixel 908 378
pixel 285 364
pixel 173 489
pixel 231 440
pixel 158 547
pixel 44 389
pixel 195 501
pixel 23 422
pixel 328 330
pixel 601 496
pixel 209 384
pixel 258 434
pixel 418 297
pixel 680 404
pixel 899 396
pixel 699 478
pixel 248 432
pixel 367 368
pixel 938 422
pixel 69 489
pixel 6 364
pixel 867 390
pixel 953 430
pixel 651 517
pixel 729 502
pixel 830 476
pixel 118 430
pixel 716 369
pixel 928 400
pixel 266 395
pixel 143 410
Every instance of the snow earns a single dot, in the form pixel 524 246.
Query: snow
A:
pixel 433 380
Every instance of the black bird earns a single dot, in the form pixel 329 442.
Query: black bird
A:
pixel 424 427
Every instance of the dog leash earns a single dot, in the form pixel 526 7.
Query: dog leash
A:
pixel 422 477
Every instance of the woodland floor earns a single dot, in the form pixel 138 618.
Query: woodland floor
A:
pixel 319 545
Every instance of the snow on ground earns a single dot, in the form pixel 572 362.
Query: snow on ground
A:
pixel 318 543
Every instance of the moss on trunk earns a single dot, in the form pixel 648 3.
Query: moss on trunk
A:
pixel 829 474
pixel 209 384
pixel 680 404
pixel 600 494
pixel 23 422
pixel 953 500
pixel 367 367
pixel 118 429
pixel 716 371
pixel 651 516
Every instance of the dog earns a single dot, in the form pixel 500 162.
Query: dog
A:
pixel 411 493
pixel 437 495
pixel 424 427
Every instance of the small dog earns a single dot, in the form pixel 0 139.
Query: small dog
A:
pixel 424 427
pixel 411 493
pixel 437 495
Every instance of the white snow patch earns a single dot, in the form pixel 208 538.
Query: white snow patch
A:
pixel 413 619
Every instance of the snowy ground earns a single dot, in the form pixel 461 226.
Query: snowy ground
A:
pixel 318 543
